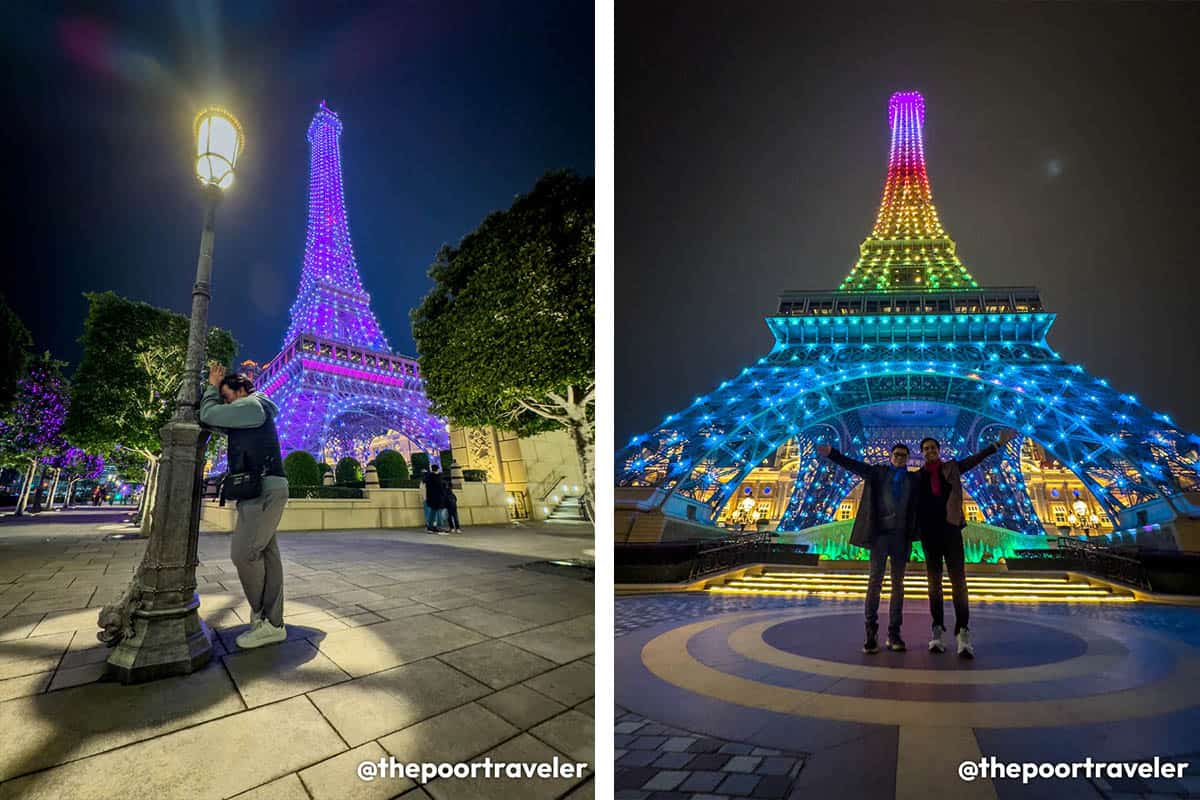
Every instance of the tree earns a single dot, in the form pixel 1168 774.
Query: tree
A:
pixel 391 468
pixel 125 387
pixel 32 429
pixel 420 465
pixel 15 345
pixel 506 336
pixel 301 469
pixel 75 465
pixel 348 471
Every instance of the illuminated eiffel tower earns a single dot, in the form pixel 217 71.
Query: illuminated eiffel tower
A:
pixel 336 380
pixel 910 342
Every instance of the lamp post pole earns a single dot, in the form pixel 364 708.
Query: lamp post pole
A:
pixel 155 625
pixel 165 635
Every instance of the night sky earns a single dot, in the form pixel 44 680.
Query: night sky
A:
pixel 1063 145
pixel 450 109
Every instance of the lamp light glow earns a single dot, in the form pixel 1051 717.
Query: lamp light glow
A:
pixel 220 142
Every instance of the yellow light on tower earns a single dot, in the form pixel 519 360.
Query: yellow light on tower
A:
pixel 219 144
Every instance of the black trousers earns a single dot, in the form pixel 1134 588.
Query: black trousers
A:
pixel 896 547
pixel 944 543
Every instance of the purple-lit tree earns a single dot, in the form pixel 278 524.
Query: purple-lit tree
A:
pixel 32 429
pixel 75 465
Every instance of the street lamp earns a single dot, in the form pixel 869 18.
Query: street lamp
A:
pixel 155 624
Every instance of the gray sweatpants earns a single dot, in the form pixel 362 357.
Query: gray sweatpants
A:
pixel 255 552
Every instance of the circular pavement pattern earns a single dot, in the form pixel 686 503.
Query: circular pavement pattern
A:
pixel 1032 670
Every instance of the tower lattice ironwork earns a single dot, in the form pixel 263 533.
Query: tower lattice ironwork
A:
pixel 336 380
pixel 910 342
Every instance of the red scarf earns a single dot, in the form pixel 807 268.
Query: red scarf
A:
pixel 935 476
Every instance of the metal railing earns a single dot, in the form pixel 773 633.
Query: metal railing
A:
pixel 1092 558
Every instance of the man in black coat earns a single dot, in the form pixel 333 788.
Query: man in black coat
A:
pixel 885 525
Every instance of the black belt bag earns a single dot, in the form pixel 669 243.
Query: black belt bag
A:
pixel 242 486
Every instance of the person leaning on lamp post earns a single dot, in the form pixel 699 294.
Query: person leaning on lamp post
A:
pixel 232 407
pixel 940 522
pixel 885 525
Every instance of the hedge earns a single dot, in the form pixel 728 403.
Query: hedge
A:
pixel 324 493
pixel 302 469
pixel 391 467
pixel 347 472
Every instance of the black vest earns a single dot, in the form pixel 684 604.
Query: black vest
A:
pixel 256 450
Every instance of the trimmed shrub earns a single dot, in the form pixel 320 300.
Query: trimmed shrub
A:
pixel 420 465
pixel 324 468
pixel 324 493
pixel 348 472
pixel 391 467
pixel 301 469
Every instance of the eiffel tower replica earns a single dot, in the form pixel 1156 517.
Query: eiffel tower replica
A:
pixel 336 380
pixel 910 345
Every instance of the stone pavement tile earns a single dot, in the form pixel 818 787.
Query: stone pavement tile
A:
pixel 562 641
pixel 457 735
pixel 74 620
pixel 267 674
pixel 647 743
pixel 772 786
pixel 498 664
pixel 523 749
pixel 569 685
pixel 522 706
pixel 702 782
pixel 543 609
pixel 670 760
pixel 571 733
pixel 486 621
pixel 66 677
pixel 343 611
pixel 288 787
pixel 370 707
pixel 777 765
pixel 584 791
pixel 84 649
pixel 709 761
pixel 406 611
pixel 24 685
pixel 736 749
pixel 742 764
pixel 369 580
pixel 633 778
pixel 246 750
pixel 678 744
pixel 361 651
pixel 665 781
pixel 638 758
pixel 34 654
pixel 354 596
pixel 90 719
pixel 588 707
pixel 18 626
pixel 838 770
pixel 390 603
pixel 312 626
pixel 337 778
pixel 70 603
pixel 447 602
pixel 737 783
pixel 491 595
pixel 359 620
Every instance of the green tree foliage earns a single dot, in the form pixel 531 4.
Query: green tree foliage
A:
pixel 324 468
pixel 348 471
pixel 391 467
pixel 420 465
pixel 132 367
pixel 301 469
pixel 15 346
pixel 506 336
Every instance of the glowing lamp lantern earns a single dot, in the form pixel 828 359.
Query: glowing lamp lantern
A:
pixel 219 144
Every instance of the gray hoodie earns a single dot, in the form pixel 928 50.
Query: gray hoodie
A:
pixel 245 412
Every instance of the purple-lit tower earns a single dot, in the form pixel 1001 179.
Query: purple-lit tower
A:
pixel 336 380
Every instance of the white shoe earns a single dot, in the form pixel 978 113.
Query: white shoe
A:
pixel 441 532
pixel 935 644
pixel 964 644
pixel 262 633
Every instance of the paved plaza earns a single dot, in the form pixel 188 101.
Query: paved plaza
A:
pixel 400 643
pixel 768 697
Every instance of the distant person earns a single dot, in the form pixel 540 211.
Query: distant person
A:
pixel 435 499
pixel 232 407
pixel 451 506
pixel 940 521
pixel 886 526
pixel 96 496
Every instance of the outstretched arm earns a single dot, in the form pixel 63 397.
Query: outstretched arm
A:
pixel 859 468
pixel 971 461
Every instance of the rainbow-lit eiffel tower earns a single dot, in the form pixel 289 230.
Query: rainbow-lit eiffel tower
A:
pixel 336 380
pixel 910 345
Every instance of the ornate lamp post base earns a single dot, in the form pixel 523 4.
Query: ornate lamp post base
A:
pixel 172 641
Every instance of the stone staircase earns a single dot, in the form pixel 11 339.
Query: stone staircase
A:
pixel 569 509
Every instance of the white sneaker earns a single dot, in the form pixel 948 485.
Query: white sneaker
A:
pixel 964 644
pixel 935 644
pixel 262 633
pixel 441 532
